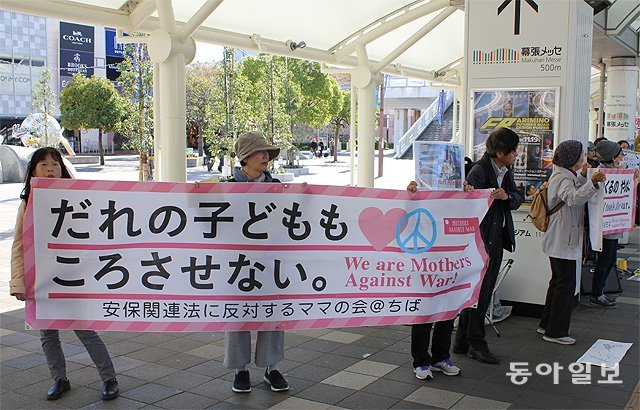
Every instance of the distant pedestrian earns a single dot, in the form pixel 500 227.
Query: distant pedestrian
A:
pixel 314 147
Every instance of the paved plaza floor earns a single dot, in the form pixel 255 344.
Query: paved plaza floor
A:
pixel 363 368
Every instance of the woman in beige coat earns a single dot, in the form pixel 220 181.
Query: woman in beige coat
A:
pixel 563 240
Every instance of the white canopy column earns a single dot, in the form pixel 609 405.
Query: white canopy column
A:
pixel 621 99
pixel 366 82
pixel 170 51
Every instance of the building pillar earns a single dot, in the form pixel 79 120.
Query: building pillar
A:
pixel 454 128
pixel 621 99
pixel 603 81
pixel 352 135
pixel 400 124
pixel 366 82
pixel 170 56
pixel 593 123
pixel 156 123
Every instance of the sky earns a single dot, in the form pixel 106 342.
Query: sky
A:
pixel 207 53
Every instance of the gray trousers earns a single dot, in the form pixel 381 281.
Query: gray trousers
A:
pixel 95 347
pixel 237 349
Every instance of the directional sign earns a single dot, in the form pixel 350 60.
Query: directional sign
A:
pixel 516 23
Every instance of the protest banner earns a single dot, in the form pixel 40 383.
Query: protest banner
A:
pixel 613 208
pixel 439 166
pixel 141 256
pixel 630 160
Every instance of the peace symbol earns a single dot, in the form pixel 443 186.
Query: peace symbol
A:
pixel 416 240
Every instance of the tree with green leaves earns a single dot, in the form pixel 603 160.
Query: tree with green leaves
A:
pixel 91 102
pixel 227 112
pixel 43 100
pixel 265 95
pixel 202 90
pixel 269 94
pixel 136 79
pixel 315 106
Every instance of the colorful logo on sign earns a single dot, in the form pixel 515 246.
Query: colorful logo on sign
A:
pixel 497 56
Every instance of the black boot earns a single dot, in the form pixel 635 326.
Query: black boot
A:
pixel 110 389
pixel 58 388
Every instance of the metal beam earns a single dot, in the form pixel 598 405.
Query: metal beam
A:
pixel 197 19
pixel 442 16
pixel 620 16
pixel 221 37
pixel 167 18
pixel 450 65
pixel 71 11
pixel 384 25
pixel 142 12
pixel 100 16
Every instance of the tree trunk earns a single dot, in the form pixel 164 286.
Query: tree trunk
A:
pixel 335 143
pixel 100 150
pixel 144 166
pixel 200 141
pixel 77 141
pixel 144 169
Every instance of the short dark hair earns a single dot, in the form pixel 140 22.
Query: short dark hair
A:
pixel 623 142
pixel 503 140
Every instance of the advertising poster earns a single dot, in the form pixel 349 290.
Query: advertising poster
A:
pixel 154 257
pixel 76 51
pixel 532 114
pixel 114 53
pixel 439 165
pixel 620 107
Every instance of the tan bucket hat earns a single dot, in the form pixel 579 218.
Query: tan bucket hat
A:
pixel 251 142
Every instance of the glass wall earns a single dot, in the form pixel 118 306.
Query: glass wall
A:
pixel 23 56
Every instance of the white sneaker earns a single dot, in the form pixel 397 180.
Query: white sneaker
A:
pixel 447 367
pixel 566 340
pixel 423 372
pixel 540 331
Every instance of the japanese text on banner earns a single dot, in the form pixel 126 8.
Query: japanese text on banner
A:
pixel 613 208
pixel 176 257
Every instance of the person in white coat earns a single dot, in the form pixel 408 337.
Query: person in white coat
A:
pixel 562 242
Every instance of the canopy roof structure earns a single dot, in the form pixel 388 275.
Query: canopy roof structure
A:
pixel 422 39
pixel 331 29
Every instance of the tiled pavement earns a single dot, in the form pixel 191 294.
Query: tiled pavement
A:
pixel 326 368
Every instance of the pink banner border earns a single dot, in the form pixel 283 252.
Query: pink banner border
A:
pixel 634 199
pixel 181 188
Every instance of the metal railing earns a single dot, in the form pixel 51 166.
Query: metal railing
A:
pixel 427 117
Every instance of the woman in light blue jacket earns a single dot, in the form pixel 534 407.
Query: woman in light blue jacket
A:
pixel 563 240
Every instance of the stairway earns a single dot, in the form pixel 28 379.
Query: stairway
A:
pixel 435 131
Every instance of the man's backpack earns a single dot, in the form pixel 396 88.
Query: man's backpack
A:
pixel 539 211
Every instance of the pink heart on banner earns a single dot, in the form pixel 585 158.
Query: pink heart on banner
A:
pixel 379 228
